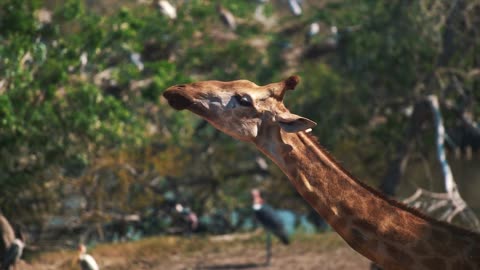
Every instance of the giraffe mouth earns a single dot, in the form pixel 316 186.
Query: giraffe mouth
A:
pixel 177 99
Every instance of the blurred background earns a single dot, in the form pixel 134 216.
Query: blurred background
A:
pixel 91 153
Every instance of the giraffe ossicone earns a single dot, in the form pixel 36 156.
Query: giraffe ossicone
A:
pixel 383 230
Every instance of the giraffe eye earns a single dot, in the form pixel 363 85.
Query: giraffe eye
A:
pixel 244 101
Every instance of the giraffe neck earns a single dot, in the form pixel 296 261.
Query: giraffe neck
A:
pixel 385 231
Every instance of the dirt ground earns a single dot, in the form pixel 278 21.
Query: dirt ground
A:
pixel 324 251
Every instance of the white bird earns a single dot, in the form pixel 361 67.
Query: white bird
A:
pixel 86 261
pixel 136 59
pixel 334 30
pixel 13 254
pixel 83 61
pixel 262 163
pixel 227 17
pixel 295 7
pixel 313 29
pixel 329 44
pixel 167 9
pixel 189 216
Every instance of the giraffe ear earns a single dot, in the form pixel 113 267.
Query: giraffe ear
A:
pixel 290 122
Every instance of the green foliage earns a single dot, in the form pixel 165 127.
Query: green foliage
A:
pixel 17 17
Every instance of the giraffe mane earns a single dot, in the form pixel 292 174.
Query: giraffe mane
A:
pixel 396 203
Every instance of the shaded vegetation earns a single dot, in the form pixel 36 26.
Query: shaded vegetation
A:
pixel 86 140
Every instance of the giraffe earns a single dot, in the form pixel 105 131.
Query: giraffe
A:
pixel 383 230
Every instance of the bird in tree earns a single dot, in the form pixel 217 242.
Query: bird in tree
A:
pixel 313 30
pixel 227 17
pixel 86 261
pixel 270 220
pixel 328 44
pixel 167 9
pixel 295 7
pixel 335 40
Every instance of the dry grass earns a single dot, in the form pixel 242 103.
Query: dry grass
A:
pixel 326 251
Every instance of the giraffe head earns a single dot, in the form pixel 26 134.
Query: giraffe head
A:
pixel 240 108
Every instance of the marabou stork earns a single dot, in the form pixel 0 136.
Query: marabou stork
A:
pixel 86 261
pixel 7 243
pixel 7 235
pixel 188 215
pixel 270 220
pixel 13 254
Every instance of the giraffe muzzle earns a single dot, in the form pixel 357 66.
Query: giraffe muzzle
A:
pixel 177 99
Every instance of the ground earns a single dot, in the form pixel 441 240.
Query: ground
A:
pixel 240 251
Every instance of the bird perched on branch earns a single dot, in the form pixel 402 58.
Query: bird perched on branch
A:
pixel 313 30
pixel 86 261
pixel 270 220
pixel 227 17
pixel 295 7
pixel 167 9
pixel 327 45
